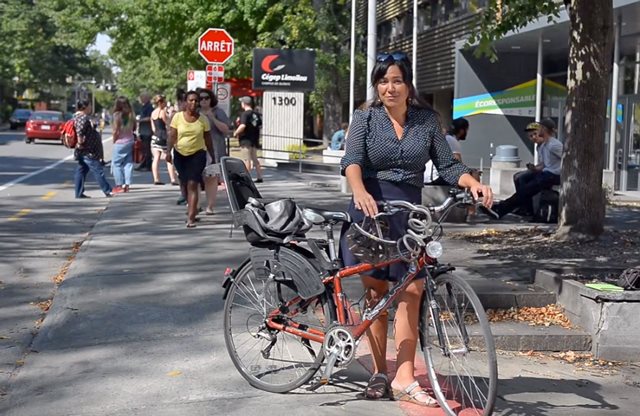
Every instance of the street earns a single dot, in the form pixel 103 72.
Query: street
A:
pixel 135 327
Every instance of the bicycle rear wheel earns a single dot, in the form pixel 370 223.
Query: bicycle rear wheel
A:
pixel 270 359
pixel 461 362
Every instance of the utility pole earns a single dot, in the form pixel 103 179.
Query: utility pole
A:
pixel 371 46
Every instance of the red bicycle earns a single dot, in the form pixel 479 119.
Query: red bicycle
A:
pixel 286 313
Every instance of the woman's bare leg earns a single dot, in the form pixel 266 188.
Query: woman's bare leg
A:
pixel 211 189
pixel 193 189
pixel 155 165
pixel 375 289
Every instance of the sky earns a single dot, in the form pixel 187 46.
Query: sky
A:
pixel 102 44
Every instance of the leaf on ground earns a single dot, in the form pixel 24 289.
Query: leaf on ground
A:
pixel 174 373
pixel 543 316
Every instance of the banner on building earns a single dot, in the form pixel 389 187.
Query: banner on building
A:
pixel 284 69
pixel 515 101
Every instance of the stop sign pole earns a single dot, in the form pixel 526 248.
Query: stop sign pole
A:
pixel 216 46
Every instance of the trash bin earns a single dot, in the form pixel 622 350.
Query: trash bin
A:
pixel 506 157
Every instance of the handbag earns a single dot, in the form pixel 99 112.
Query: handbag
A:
pixel 138 155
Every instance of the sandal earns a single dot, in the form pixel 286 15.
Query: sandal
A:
pixel 208 212
pixel 377 387
pixel 408 395
pixel 191 225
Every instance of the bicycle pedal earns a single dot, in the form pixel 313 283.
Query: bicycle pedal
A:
pixel 317 384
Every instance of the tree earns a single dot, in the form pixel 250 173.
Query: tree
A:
pixel 582 198
pixel 154 41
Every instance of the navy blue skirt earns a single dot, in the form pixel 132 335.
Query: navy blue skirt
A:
pixel 383 191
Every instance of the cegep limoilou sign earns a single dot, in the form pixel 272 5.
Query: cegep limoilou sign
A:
pixel 284 69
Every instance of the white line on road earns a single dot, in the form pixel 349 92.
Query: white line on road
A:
pixel 39 171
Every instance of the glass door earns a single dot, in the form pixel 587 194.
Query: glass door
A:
pixel 628 153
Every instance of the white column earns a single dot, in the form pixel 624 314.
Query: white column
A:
pixel 414 51
pixel 636 73
pixel 352 62
pixel 614 95
pixel 371 45
pixel 539 81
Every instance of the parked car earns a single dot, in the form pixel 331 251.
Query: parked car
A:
pixel 46 125
pixel 19 118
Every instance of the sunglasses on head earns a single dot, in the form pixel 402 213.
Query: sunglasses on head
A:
pixel 391 57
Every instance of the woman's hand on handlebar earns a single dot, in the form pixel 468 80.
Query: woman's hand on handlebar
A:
pixel 364 202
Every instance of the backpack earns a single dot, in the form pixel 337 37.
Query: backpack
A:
pixel 630 279
pixel 256 120
pixel 68 137
pixel 547 211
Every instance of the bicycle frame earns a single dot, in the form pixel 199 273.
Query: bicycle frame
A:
pixel 341 306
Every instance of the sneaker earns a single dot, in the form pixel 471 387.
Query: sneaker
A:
pixel 181 201
pixel 158 183
pixel 259 180
pixel 83 196
pixel 489 212
pixel 126 188
pixel 117 190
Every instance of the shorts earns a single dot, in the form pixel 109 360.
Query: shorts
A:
pixel 190 167
pixel 383 191
pixel 248 152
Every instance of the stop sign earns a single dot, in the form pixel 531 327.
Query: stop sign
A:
pixel 215 46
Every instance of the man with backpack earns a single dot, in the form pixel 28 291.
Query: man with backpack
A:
pixel 248 134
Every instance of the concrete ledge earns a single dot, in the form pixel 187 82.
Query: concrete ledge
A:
pixel 435 195
pixel 520 336
pixel 332 156
pixel 610 318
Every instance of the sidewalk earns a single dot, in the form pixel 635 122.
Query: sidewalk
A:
pixel 136 327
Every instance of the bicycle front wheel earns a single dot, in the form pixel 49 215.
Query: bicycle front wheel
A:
pixel 267 358
pixel 458 348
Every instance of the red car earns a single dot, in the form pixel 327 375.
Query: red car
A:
pixel 46 125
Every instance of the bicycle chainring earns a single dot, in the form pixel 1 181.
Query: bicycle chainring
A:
pixel 338 340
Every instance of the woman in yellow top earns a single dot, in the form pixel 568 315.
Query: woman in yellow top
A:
pixel 190 139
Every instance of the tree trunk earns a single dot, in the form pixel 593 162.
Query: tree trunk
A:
pixel 582 198
pixel 332 114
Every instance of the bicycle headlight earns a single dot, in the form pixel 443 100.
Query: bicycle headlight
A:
pixel 434 249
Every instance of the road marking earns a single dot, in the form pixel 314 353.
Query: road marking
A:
pixel 20 214
pixel 49 195
pixel 39 171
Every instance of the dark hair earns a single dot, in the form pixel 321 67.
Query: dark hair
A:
pixel 212 97
pixel 380 70
pixel 181 95
pixel 458 124
pixel 191 92
pixel 82 104
pixel 120 103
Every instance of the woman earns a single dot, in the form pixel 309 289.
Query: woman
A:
pixel 219 128
pixel 189 136
pixel 159 140
pixel 124 124
pixel 88 152
pixel 388 147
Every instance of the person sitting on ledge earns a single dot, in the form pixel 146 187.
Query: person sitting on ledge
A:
pixel 538 177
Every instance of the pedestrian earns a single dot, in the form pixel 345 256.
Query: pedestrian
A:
pixel 124 124
pixel 388 147
pixel 337 140
pixel 456 134
pixel 88 152
pixel 248 134
pixel 219 129
pixel 522 177
pixel 159 121
pixel 189 141
pixel 542 176
pixel 145 132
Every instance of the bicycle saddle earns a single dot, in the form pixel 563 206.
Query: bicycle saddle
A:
pixel 319 216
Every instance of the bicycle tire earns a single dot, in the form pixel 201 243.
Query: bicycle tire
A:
pixel 466 379
pixel 247 303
